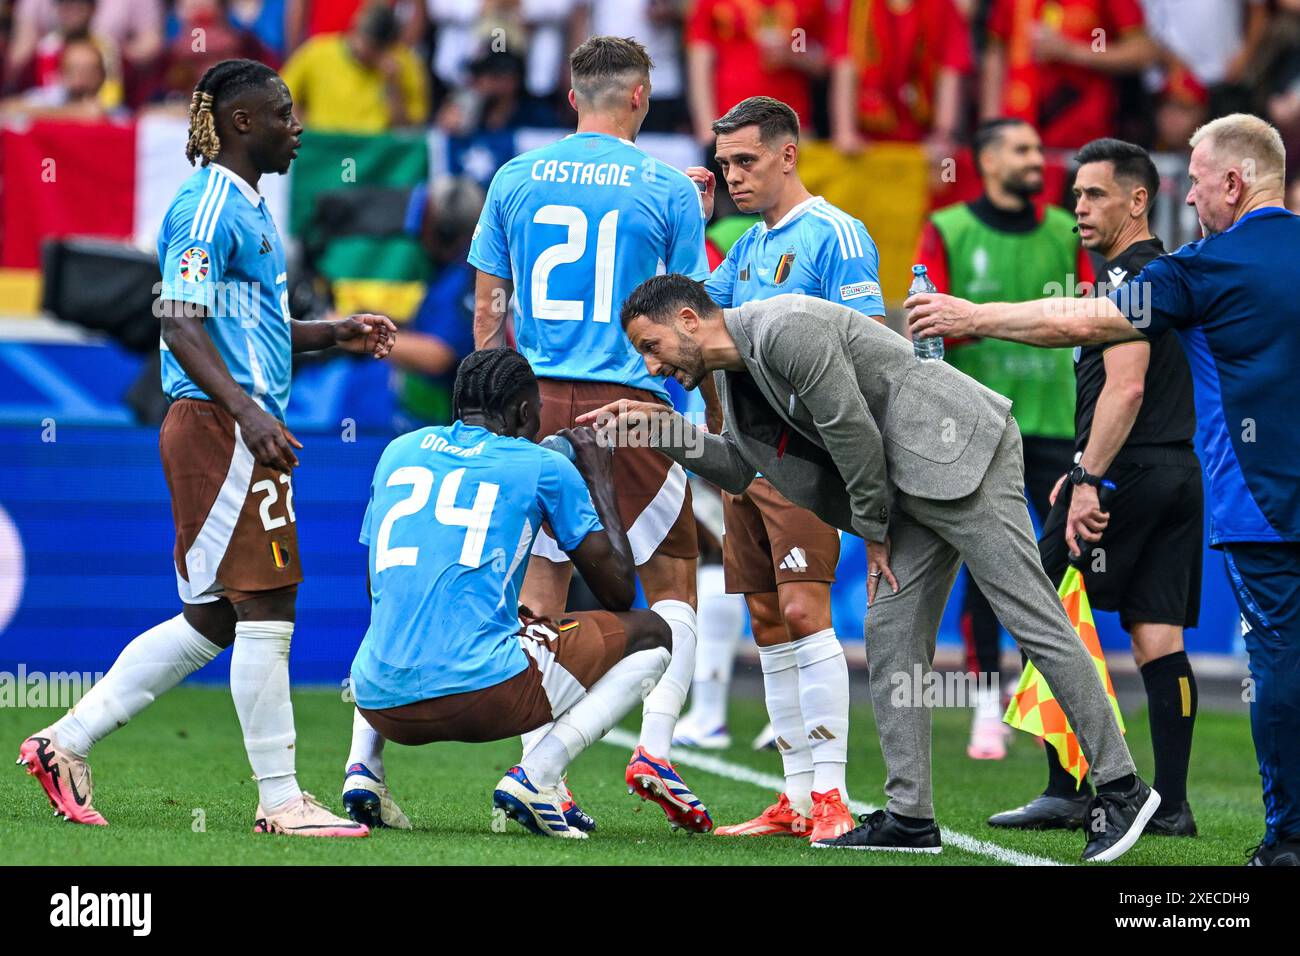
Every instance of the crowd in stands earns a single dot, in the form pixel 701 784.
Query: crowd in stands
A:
pixel 855 70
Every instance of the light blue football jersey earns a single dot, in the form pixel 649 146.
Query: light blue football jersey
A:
pixel 816 249
pixel 577 225
pixel 219 248
pixel 452 516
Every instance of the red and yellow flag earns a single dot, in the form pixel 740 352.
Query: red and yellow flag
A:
pixel 1033 707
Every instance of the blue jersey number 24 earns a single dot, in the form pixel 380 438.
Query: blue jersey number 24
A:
pixel 475 519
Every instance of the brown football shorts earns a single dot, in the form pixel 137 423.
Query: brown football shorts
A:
pixel 565 659
pixel 654 497
pixel 770 541
pixel 236 532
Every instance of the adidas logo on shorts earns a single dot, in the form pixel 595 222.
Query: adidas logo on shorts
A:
pixel 796 560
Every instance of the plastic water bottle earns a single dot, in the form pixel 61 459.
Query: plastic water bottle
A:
pixel 561 444
pixel 930 347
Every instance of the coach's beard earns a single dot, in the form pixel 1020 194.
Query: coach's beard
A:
pixel 693 356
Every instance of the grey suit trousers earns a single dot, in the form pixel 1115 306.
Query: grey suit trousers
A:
pixel 990 530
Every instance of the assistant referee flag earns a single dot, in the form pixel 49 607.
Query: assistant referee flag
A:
pixel 1033 707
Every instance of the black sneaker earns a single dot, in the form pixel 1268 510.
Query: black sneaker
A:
pixel 1045 813
pixel 1174 820
pixel 1114 821
pixel 884 831
pixel 1282 853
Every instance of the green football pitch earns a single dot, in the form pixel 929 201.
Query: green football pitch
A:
pixel 176 789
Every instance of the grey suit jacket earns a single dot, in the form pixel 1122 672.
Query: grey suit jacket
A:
pixel 836 412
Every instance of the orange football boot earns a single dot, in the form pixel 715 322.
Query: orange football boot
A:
pixel 780 819
pixel 830 817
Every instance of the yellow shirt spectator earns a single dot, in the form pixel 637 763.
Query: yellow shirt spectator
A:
pixel 335 91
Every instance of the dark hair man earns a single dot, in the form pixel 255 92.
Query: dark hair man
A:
pixel 805 385
pixel 1141 554
pixel 1231 298
pixel 570 229
pixel 780 556
pixel 453 510
pixel 227 354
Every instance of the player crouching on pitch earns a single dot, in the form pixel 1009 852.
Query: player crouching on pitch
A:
pixel 449 654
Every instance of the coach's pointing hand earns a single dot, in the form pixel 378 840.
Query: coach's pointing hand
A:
pixel 935 314
pixel 623 414
pixel 270 442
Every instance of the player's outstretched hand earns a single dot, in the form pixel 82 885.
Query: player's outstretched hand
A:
pixel 707 183
pixel 270 442
pixel 366 334
pixel 935 314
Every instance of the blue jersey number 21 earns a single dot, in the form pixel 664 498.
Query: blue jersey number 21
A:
pixel 571 250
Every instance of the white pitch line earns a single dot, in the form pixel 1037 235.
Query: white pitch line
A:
pixel 739 772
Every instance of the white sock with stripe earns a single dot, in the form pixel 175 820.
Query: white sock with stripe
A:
pixel 664 704
pixel 824 700
pixel 781 691
pixel 721 620
pixel 367 746
pixel 604 705
pixel 259 684
pixel 148 667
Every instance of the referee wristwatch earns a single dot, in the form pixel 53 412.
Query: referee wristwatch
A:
pixel 1080 476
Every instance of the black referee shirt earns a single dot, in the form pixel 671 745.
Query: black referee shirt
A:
pixel 1168 413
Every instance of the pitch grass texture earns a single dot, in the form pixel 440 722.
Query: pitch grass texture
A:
pixel 181 763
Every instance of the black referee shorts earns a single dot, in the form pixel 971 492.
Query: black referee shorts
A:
pixel 1148 567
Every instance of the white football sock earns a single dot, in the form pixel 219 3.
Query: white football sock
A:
pixel 721 620
pixel 533 738
pixel 824 700
pixel 367 746
pixel 148 667
pixel 781 690
pixel 259 683
pixel 988 704
pixel 664 704
pixel 604 705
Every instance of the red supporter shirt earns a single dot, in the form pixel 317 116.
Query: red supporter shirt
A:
pixel 331 16
pixel 736 31
pixel 1069 105
pixel 899 47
